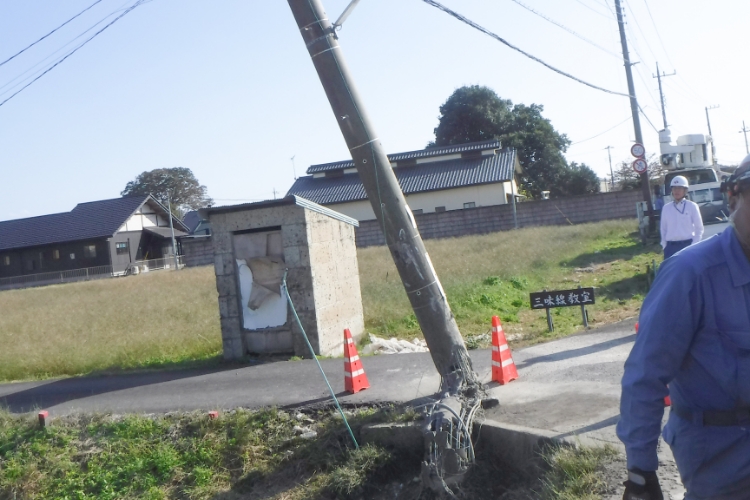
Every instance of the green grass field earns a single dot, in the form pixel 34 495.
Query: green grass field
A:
pixel 164 318
pixel 251 455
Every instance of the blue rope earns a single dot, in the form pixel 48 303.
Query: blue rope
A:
pixel 333 395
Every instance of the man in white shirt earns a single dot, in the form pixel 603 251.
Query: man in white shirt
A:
pixel 681 222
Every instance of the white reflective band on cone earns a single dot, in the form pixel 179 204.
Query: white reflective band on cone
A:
pixel 507 362
pixel 352 359
pixel 356 373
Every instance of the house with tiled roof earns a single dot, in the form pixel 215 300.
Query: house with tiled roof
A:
pixel 433 180
pixel 114 233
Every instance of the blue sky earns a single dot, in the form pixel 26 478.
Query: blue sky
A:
pixel 226 88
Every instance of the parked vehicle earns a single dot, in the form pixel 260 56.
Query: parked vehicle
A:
pixel 693 157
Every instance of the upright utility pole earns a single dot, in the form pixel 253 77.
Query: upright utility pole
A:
pixel 645 188
pixel 393 214
pixel 745 131
pixel 611 172
pixel 171 228
pixel 659 76
pixel 708 120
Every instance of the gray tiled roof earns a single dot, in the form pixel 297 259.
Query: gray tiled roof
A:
pixel 413 155
pixel 96 219
pixel 419 178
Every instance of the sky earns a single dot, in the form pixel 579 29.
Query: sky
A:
pixel 227 89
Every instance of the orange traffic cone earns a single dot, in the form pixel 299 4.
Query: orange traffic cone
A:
pixel 503 367
pixel 354 374
pixel 667 399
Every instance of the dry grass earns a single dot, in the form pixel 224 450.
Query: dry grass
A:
pixel 150 319
pixel 494 273
pixel 165 318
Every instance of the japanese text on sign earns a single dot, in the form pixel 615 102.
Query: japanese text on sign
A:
pixel 562 298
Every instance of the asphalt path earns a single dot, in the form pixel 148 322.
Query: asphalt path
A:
pixel 569 388
pixel 398 378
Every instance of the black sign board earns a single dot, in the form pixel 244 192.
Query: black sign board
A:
pixel 562 298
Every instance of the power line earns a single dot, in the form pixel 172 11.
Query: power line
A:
pixel 60 49
pixel 577 35
pixel 648 9
pixel 602 133
pixel 501 40
pixel 48 34
pixel 127 11
pixel 637 24
pixel 593 10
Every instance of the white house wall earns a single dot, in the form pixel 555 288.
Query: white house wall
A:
pixel 144 217
pixel 452 199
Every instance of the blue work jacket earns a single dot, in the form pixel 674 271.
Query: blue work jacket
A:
pixel 694 334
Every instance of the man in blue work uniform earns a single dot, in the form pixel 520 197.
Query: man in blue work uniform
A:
pixel 702 351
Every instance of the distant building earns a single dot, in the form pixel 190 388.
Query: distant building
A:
pixel 433 180
pixel 114 232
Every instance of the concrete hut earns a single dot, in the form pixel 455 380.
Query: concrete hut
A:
pixel 254 244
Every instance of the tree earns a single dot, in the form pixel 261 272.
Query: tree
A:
pixel 177 185
pixel 627 179
pixel 477 113
pixel 581 179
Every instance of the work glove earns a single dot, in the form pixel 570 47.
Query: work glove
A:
pixel 642 485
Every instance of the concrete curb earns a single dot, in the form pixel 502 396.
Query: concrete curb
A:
pixel 516 447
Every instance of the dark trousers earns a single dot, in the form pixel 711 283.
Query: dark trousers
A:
pixel 675 246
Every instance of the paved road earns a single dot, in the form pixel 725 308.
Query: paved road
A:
pixel 568 387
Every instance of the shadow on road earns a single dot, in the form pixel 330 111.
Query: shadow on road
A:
pixel 51 393
pixel 581 351
pixel 607 422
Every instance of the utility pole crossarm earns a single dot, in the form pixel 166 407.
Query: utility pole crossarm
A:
pixel 659 76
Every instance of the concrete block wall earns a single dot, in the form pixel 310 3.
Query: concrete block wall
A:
pixel 197 251
pixel 323 279
pixel 481 220
pixel 335 275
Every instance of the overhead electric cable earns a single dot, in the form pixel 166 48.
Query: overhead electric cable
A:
pixel 566 29
pixel 647 119
pixel 643 33
pixel 48 34
pixel 648 9
pixel 127 11
pixel 592 9
pixel 503 41
pixel 602 133
pixel 80 35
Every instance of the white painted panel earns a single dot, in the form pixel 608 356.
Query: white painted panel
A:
pixel 452 199
pixel 273 310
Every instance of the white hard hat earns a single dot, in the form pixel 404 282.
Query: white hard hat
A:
pixel 679 181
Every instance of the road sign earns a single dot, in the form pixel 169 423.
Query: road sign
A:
pixel 562 298
pixel 640 165
pixel 546 300
pixel 637 150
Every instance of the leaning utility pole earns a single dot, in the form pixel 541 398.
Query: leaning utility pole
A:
pixel 611 172
pixel 645 188
pixel 393 214
pixel 659 76
pixel 745 131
